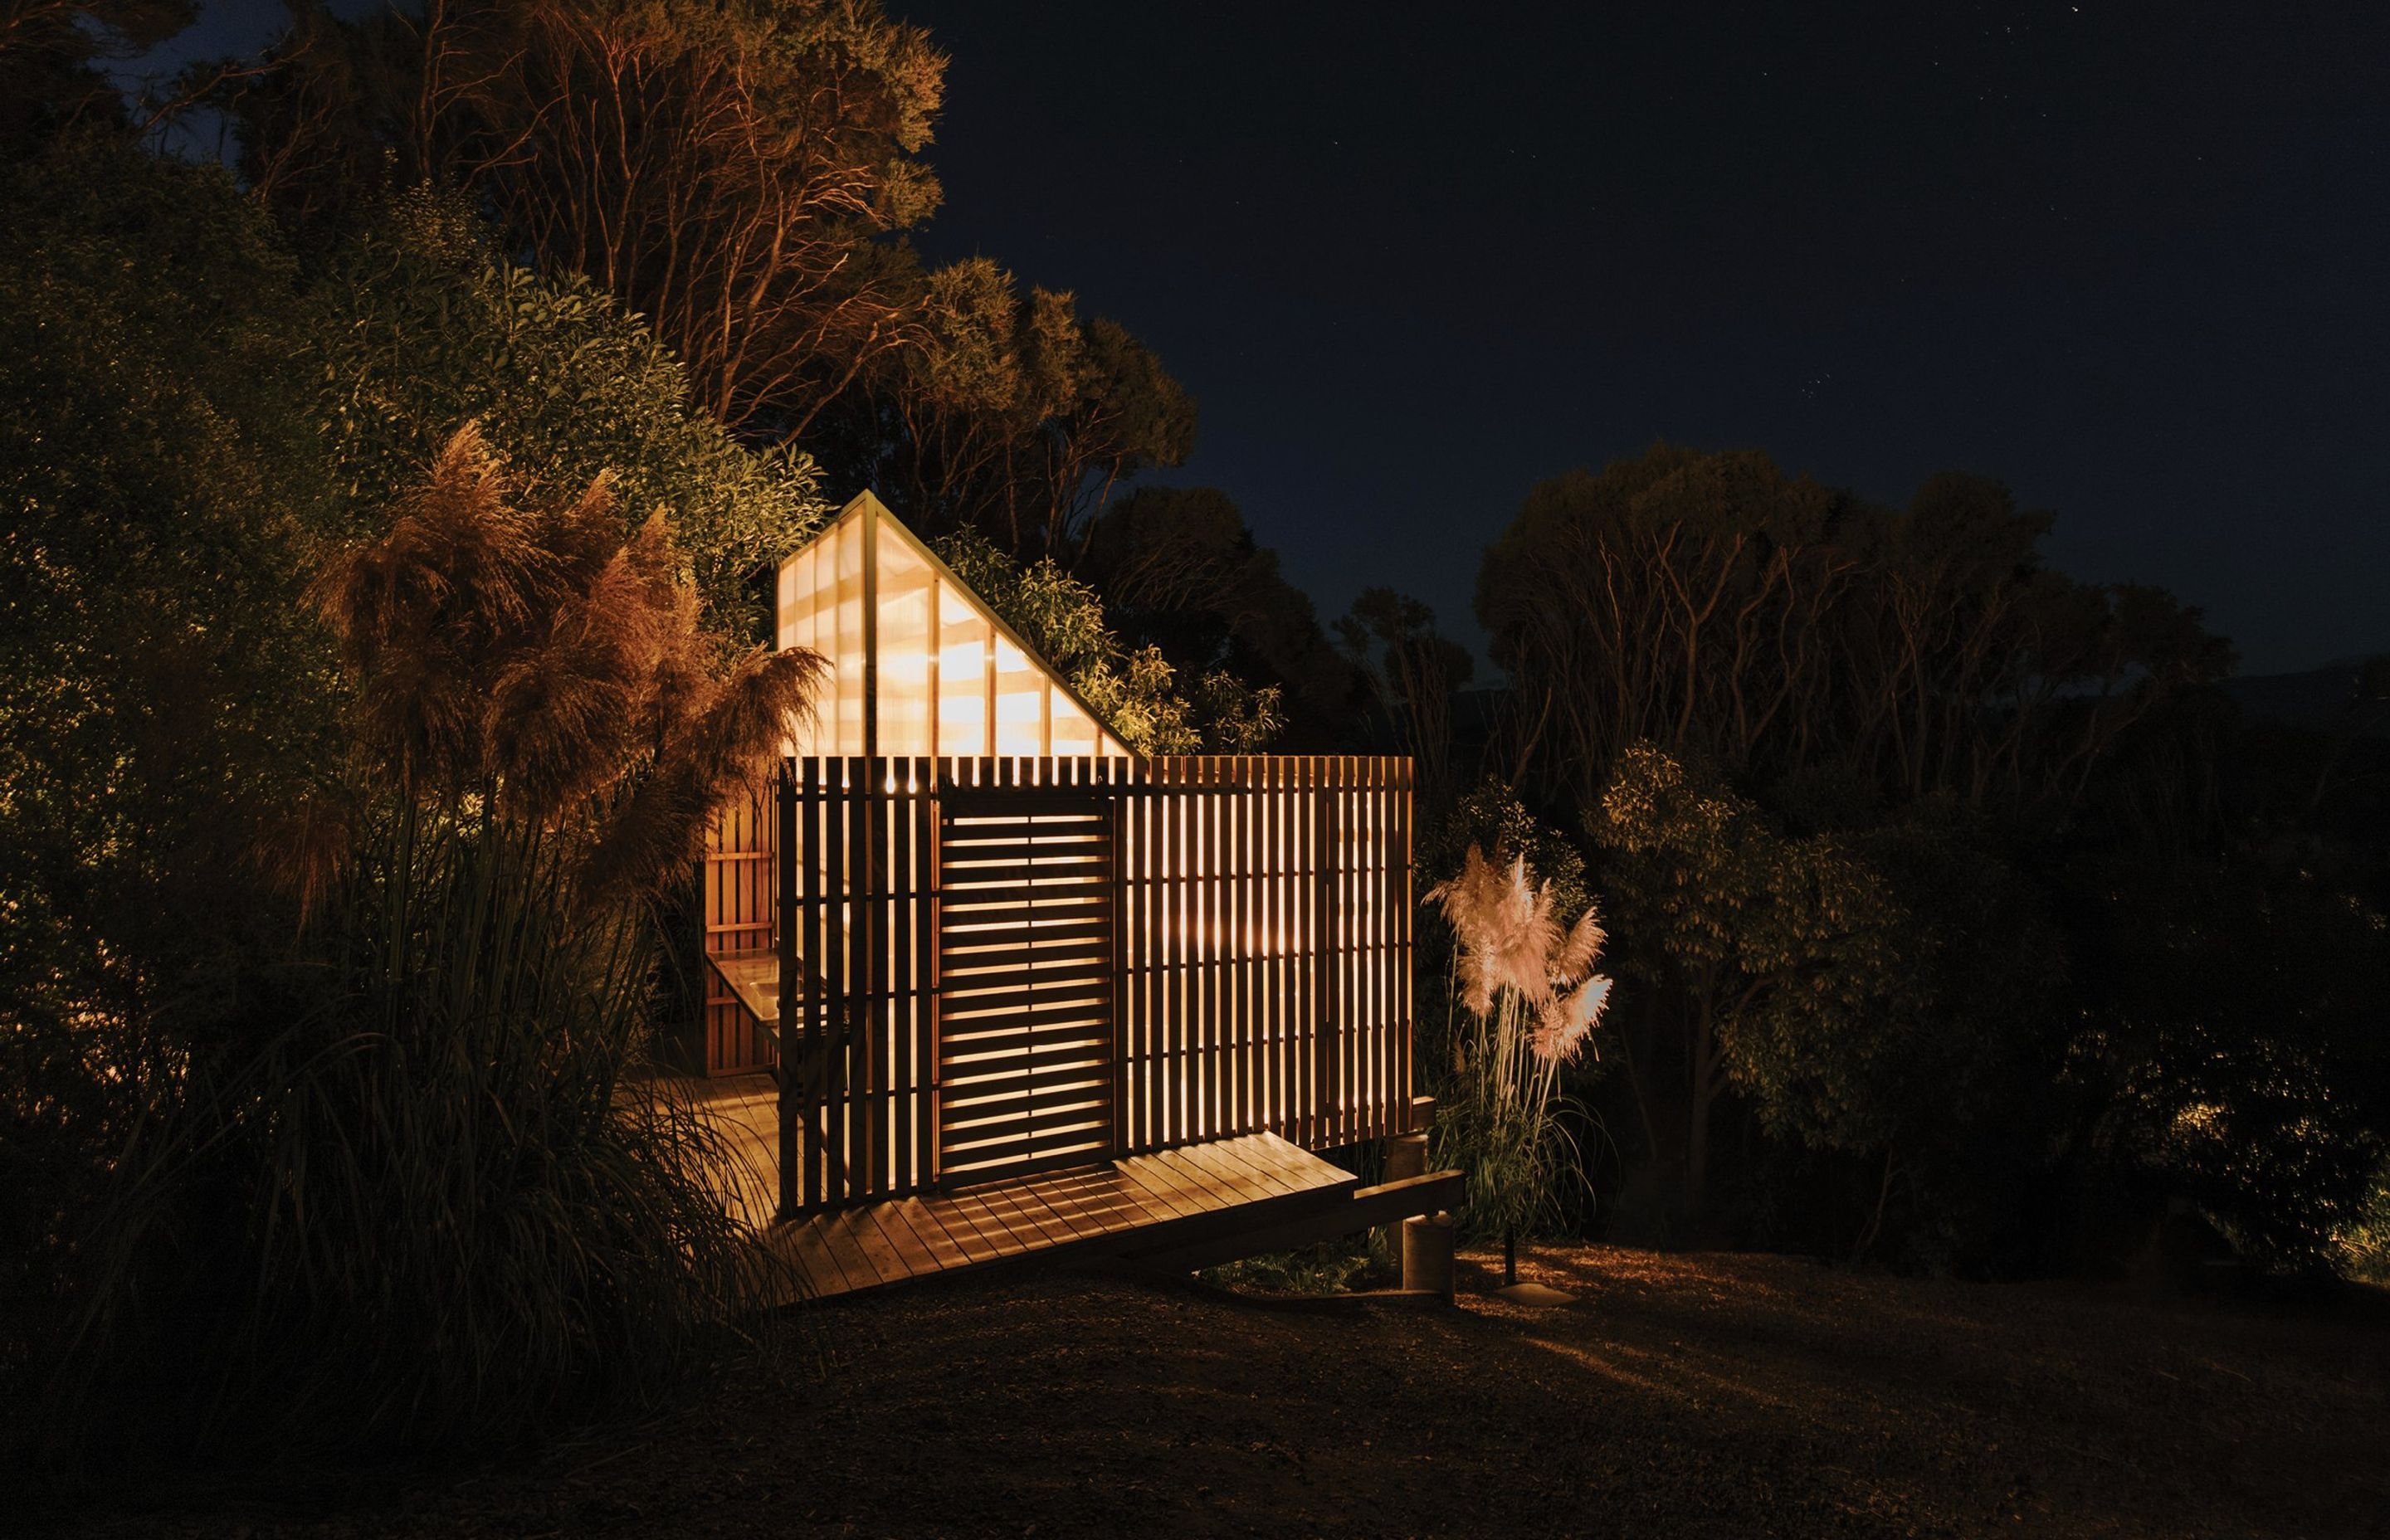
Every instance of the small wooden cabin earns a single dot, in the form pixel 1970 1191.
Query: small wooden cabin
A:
pixel 979 940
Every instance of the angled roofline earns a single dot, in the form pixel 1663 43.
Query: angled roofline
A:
pixel 874 511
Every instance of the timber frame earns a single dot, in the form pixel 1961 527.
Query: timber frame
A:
pixel 966 968
pixel 1257 977
pixel 1250 917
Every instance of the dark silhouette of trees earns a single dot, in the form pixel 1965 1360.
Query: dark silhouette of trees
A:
pixel 740 175
pixel 1949 892
pixel 723 171
pixel 50 58
pixel 1412 673
pixel 1010 413
pixel 1710 603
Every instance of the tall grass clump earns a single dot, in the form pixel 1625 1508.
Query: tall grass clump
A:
pixel 1525 982
pixel 421 1193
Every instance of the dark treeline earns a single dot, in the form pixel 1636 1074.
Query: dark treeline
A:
pixel 1960 921
pixel 743 177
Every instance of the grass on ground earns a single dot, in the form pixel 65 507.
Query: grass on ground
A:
pixel 1682 1396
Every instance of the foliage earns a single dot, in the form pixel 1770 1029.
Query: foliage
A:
pixel 1767 950
pixel 417 1200
pixel 425 327
pixel 314 1075
pixel 1489 817
pixel 1710 604
pixel 1525 980
pixel 1327 1267
pixel 1412 674
pixel 2234 1043
pixel 162 692
pixel 1134 692
pixel 1180 571
pixel 722 171
pixel 1954 1094
pixel 50 54
pixel 1492 817
pixel 2363 1243
pixel 734 175
pixel 1015 415
pixel 1947 886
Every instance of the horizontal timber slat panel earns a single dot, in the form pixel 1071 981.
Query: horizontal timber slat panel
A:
pixel 1256 910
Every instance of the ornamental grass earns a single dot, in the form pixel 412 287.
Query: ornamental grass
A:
pixel 1525 982
pixel 424 1191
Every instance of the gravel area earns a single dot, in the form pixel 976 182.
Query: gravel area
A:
pixel 1680 1394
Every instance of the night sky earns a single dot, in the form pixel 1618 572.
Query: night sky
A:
pixel 1411 259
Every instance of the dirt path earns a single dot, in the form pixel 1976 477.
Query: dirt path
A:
pixel 1709 1395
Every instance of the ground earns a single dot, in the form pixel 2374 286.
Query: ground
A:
pixel 1681 1395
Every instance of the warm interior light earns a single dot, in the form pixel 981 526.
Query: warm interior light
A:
pixel 948 681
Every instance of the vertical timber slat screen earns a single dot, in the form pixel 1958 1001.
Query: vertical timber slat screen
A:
pixel 1235 942
pixel 737 904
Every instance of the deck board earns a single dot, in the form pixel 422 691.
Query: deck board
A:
pixel 911 1256
pixel 972 1213
pixel 1158 1179
pixel 1261 1165
pixel 1140 1204
pixel 1155 1199
pixel 1136 1204
pixel 924 1225
pixel 962 1239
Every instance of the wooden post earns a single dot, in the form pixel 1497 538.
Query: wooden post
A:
pixel 1405 1158
pixel 787 917
pixel 1117 850
pixel 1427 1253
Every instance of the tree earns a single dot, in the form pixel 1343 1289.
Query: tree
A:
pixel 1134 691
pixel 1749 946
pixel 160 689
pixel 1413 673
pixel 723 171
pixel 1994 677
pixel 162 694
pixel 50 53
pixel 424 327
pixel 1014 414
pixel 1181 570
pixel 737 175
pixel 1709 603
pixel 1684 598
pixel 1944 1084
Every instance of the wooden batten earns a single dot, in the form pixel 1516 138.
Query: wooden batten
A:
pixel 1224 950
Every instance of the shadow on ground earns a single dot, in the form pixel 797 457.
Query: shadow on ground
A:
pixel 1682 1394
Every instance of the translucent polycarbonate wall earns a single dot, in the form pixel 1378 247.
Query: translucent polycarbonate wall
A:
pixel 949 680
pixel 821 608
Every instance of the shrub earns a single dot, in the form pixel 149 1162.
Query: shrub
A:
pixel 1527 986
pixel 423 1195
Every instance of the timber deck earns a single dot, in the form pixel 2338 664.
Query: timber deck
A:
pixel 1185 1206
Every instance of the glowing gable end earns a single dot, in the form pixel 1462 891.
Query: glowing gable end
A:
pixel 919 666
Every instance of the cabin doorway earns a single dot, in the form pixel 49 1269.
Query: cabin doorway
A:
pixel 1028 936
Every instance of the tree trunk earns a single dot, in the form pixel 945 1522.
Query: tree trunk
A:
pixel 1697 1151
pixel 1704 1091
pixel 1875 1220
pixel 1627 1051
